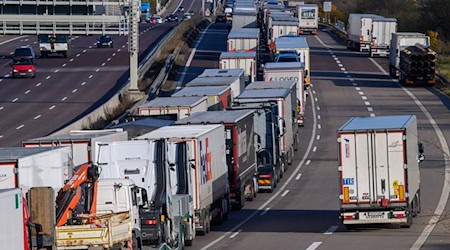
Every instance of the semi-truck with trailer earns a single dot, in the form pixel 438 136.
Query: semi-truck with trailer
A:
pixel 235 78
pixel 291 72
pixel 14 232
pixel 382 30
pixel 218 97
pixel 82 142
pixel 243 39
pixel 308 18
pixel 379 170
pixel 417 66
pixel 245 18
pixel 208 169
pixel 240 154
pixel 240 60
pixel 173 108
pixel 400 41
pixel 278 17
pixel 359 31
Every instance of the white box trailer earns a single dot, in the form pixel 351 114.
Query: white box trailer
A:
pixel 401 40
pixel 245 18
pixel 219 97
pixel 243 39
pixel 270 9
pixel 12 234
pixel 35 167
pixel 173 107
pixel 308 18
pixel 287 122
pixel 300 45
pixel 282 28
pixel 240 60
pixel 359 31
pixel 379 170
pixel 209 170
pixel 235 78
pixel 278 16
pixel 382 30
pixel 82 142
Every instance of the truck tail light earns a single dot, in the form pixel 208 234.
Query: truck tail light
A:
pixel 265 176
pixel 349 217
pixel 399 216
pixel 361 38
pixel 150 222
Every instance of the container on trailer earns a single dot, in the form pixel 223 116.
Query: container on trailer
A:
pixel 379 170
pixel 12 233
pixel 240 154
pixel 208 167
pixel 243 39
pixel 281 28
pixel 237 83
pixel 279 16
pixel 290 71
pixel 300 45
pixel 245 18
pixel 401 40
pixel 219 97
pixel 35 167
pixel 359 31
pixel 136 126
pixel 240 60
pixel 270 9
pixel 82 142
pixel 174 108
pixel 382 30
pixel 308 18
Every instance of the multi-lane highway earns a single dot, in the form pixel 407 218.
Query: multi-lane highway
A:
pixel 303 212
pixel 66 89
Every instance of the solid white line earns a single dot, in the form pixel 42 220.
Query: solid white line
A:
pixel 364 97
pixel 52 107
pixel 314 245
pixel 235 234
pixel 38 84
pixel 15 99
pixel 314 149
pixel 308 162
pixel 265 211
pixel 296 170
pixel 74 90
pixel 318 137
pixel 331 230
pixel 64 98
pixel 28 91
pixel 285 193
pixel 298 177
pixel 37 117
pixel 446 153
pixel 21 126
pixel 370 109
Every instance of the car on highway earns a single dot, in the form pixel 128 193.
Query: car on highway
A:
pixel 23 63
pixel 186 16
pixel 221 18
pixel 181 9
pixel 158 19
pixel 267 178
pixel 171 18
pixel 105 41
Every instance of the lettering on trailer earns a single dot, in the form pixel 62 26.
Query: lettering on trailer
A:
pixel 396 146
pixel 347 147
pixel 281 78
pixel 348 181
pixel 308 13
pixel 205 162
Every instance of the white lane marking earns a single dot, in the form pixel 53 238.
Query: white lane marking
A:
pixel 123 46
pixel 97 70
pixel 367 103
pixel 446 153
pixel 265 211
pixel 118 50
pixel 319 126
pixel 340 65
pixel 358 88
pixel 285 193
pixel 372 114
pixel 52 107
pixel 343 69
pixel 64 65
pixel 37 117
pixel 314 149
pixel 1 136
pixel 64 98
pixel 2 107
pixel 334 56
pixel 318 137
pixel 354 84
pixel 235 234
pixel 15 99
pixel 348 76
pixel 48 77
pixel 27 92
pixel 114 54
pixel 12 39
pixel 109 59
pixel 74 90
pixel 316 99
pixel 351 80
pixel 314 92
pixel 94 43
pixel 364 97
pixel 83 83
pixel 38 84
pixel 337 60
pixel 78 55
pixel 21 126
pixel 259 209
pixel 11 53
pixel 314 245
pixel 71 60
pixel 331 230
pixel 1 80
pixel 318 117
pixel 90 47
pixel 91 76
pixel 370 109
pixel 84 51
pixel 308 162
pixel 361 93
pixel 56 70
pixel 318 108
pixel 298 177
pixel 103 64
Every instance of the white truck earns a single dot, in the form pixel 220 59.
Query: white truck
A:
pixel 53 44
pixel 240 60
pixel 13 232
pixel 292 72
pixel 300 45
pixel 174 108
pixel 208 169
pixel 245 18
pixel 35 167
pixel 148 164
pixel 308 18
pixel 235 78
pixel 399 41
pixel 243 39
pixel 382 30
pixel 359 31
pixel 219 97
pixel 278 16
pixel 82 142
pixel 379 170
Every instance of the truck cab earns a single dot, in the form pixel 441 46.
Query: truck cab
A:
pixel 53 44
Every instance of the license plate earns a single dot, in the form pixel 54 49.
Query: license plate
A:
pixel 264 187
pixel 375 215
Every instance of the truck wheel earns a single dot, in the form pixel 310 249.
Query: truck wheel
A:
pixel 409 219
pixel 290 158
pixel 188 243
pixel 135 242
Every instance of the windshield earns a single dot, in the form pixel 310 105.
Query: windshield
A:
pixel 287 59
pixel 22 52
pixel 23 62
pixel 52 39
pixel 105 39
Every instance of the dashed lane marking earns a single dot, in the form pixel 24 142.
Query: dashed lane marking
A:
pixel 74 90
pixel 372 114
pixel 15 99
pixel 298 177
pixel 314 149
pixel 331 230
pixel 364 97
pixel 37 117
pixel 370 109
pixel 83 83
pixel 52 107
pixel 318 137
pixel 64 98
pixel 38 84
pixel 361 93
pixel 91 76
pixel 367 103
pixel 285 193
pixel 235 234
pixel 27 92
pixel 308 162
pixel 314 245
pixel 64 65
pixel 319 126
pixel 48 77
pixel 21 126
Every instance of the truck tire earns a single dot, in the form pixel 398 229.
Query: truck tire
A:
pixel 136 244
pixel 188 243
pixel 409 217
pixel 290 158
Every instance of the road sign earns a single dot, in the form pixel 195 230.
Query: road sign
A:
pixel 327 6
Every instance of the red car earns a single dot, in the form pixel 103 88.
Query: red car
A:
pixel 23 64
